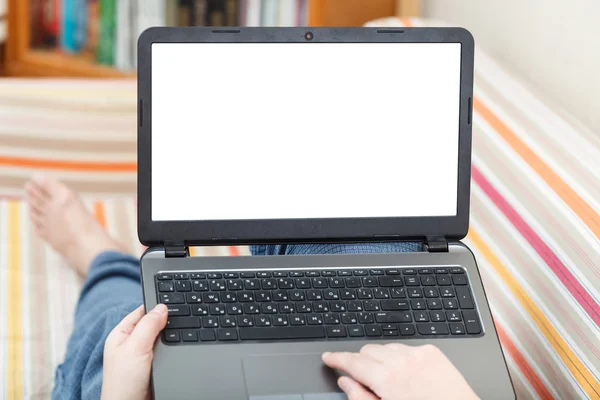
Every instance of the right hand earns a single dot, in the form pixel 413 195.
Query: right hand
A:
pixel 398 372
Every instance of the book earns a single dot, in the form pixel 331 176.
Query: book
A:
pixel 123 34
pixel 231 12
pixel 171 9
pixel 81 23
pixel 199 9
pixel 185 16
pixel 253 13
pixel 215 13
pixel 92 27
pixel 106 42
pixel 286 15
pixel 68 26
pixel 269 13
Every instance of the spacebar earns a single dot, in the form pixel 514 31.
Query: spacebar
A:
pixel 306 332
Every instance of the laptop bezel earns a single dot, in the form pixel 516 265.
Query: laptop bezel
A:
pixel 157 233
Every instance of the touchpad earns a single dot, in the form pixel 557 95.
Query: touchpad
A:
pixel 290 377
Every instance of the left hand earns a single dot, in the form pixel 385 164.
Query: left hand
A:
pixel 128 354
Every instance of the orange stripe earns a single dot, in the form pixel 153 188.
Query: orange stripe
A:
pixel 14 333
pixel 193 252
pixel 583 210
pixel 533 378
pixel 588 382
pixel 84 166
pixel 100 213
pixel 234 251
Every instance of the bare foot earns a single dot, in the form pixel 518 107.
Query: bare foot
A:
pixel 61 219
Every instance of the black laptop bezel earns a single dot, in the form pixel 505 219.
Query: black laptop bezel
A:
pixel 157 233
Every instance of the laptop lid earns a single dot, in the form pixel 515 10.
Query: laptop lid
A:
pixel 275 135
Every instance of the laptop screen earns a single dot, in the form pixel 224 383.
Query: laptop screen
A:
pixel 244 131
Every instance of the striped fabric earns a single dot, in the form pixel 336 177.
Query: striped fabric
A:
pixel 535 223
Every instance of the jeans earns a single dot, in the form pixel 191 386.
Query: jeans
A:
pixel 112 290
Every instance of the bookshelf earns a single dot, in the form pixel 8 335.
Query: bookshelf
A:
pixel 21 59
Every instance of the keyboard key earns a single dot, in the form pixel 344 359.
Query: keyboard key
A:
pixel 280 295
pixel 365 318
pixel 457 271
pixel 370 282
pixel 291 332
pixel 434 304
pixel 235 284
pixel 421 316
pixel 182 322
pixel 331 319
pixel 398 293
pixel 392 272
pixel 441 270
pixel 349 318
pixel 280 320
pixel 298 320
pixel 172 336
pixel 320 306
pixel 406 330
pixel 302 283
pixel 286 308
pixel 392 317
pixel 207 335
pixel 464 297
pixel 471 322
pixel 285 283
pixel 192 298
pixel 356 331
pixel 336 331
pixel 231 275
pixel 314 319
pixel 214 275
pixel 376 272
pixel 217 284
pixel 178 311
pixel 262 296
pixel 456 328
pixel 331 294
pixel 268 308
pixel 210 297
pixel 245 320
pixel 263 320
pixel 200 286
pixel 227 322
pixel 372 305
pixel 319 283
pixel 418 305
pixel 344 273
pixel 394 305
pixel 432 292
pixel 453 316
pixel 336 283
pixel 390 332
pixel 296 274
pixel 304 307
pixel 449 304
pixel 409 271
pixel 198 276
pixel 201 309
pixel 269 284
pixel 425 271
pixel 314 295
pixel 361 272
pixel 433 328
pixel 337 306
pixel 297 295
pixel 390 281
pixel 312 274
pixel 165 286
pixel 280 274
pixel 459 280
pixel 252 284
pixel 328 273
pixel 189 335
pixel 233 309
pixel 164 277
pixel 437 316
pixel 412 281
pixel 353 282
pixel 171 298
pixel 181 276
pixel 365 293
pixel 447 292
pixel 247 275
pixel 348 294
pixel 263 274
pixel 227 334
pixel 372 330
pixel 443 280
pixel 355 305
pixel 228 298
pixel 216 309
pixel 381 293
pixel 428 280
pixel 251 309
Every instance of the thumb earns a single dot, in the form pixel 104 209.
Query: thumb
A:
pixel 354 390
pixel 147 330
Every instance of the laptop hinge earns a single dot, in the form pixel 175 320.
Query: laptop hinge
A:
pixel 176 249
pixel 436 244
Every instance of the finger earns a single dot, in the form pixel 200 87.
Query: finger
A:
pixel 363 369
pixel 354 390
pixel 147 330
pixel 376 351
pixel 125 327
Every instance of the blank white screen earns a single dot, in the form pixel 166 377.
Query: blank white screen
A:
pixel 304 130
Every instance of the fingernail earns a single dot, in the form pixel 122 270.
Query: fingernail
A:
pixel 343 384
pixel 325 355
pixel 161 309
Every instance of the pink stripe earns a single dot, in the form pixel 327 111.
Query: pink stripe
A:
pixel 555 264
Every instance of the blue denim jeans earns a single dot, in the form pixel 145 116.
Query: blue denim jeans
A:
pixel 113 289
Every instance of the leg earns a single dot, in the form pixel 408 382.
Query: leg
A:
pixel 353 248
pixel 111 289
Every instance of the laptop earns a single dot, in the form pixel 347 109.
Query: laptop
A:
pixel 299 136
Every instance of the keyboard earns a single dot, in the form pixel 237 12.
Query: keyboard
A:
pixel 322 304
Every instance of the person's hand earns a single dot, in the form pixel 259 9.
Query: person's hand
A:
pixel 396 371
pixel 128 354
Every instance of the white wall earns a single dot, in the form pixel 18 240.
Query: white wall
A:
pixel 554 44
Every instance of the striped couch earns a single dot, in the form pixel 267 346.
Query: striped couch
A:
pixel 535 223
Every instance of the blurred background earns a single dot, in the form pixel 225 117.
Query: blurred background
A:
pixel 68 109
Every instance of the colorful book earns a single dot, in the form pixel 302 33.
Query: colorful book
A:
pixel 105 52
pixel 185 16
pixel 92 27
pixel 253 11
pixel 68 26
pixel 215 13
pixel 199 9
pixel 231 12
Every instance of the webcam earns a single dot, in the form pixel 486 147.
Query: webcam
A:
pixel 308 36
